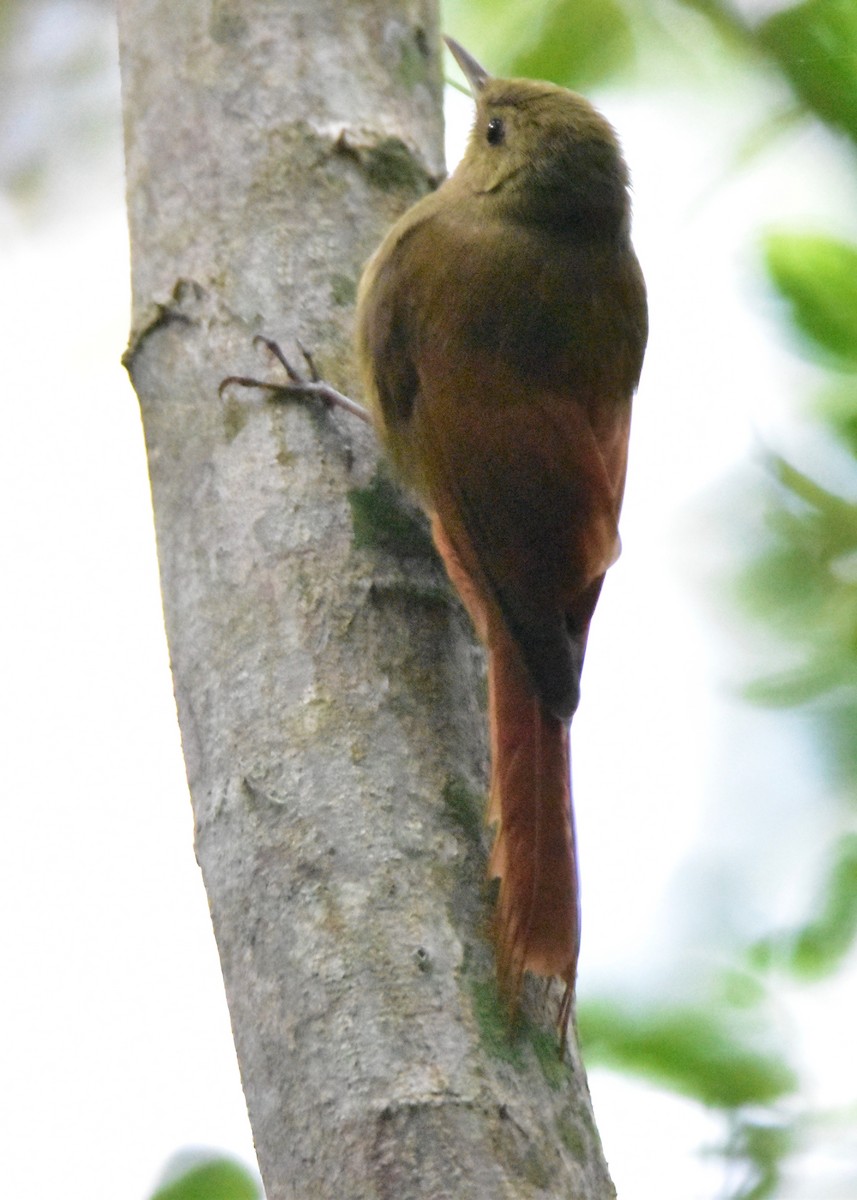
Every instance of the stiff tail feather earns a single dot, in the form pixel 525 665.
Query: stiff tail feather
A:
pixel 537 923
pixel 537 920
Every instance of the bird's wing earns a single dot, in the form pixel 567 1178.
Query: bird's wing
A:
pixel 523 490
pixel 486 398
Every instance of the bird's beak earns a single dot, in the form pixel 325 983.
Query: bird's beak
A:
pixel 476 76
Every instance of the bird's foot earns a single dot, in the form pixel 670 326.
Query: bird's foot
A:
pixel 308 384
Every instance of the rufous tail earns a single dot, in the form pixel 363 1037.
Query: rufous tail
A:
pixel 537 923
pixel 537 920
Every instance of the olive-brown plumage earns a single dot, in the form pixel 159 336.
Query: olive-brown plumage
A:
pixel 501 330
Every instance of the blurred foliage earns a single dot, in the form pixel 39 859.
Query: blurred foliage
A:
pixel 812 45
pixel 191 1175
pixel 59 104
pixel 802 586
pixel 815 46
pixel 693 1051
pixel 817 947
pixel 712 1055
pixel 758 1148
pixel 721 1052
pixel 577 43
pixel 817 276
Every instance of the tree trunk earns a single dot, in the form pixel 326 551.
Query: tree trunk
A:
pixel 328 688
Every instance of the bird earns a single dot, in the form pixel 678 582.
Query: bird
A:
pixel 501 327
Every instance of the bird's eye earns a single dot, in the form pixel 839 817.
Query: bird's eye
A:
pixel 495 131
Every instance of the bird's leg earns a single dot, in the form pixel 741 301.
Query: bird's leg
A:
pixel 298 384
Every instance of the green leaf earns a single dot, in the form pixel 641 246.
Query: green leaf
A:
pixel 815 45
pixel 572 42
pixel 804 587
pixel 818 947
pixel 837 407
pixel 817 276
pixel 762 1146
pixel 576 43
pixel 724 17
pixel 791 689
pixel 835 722
pixel 216 1178
pixel 695 1052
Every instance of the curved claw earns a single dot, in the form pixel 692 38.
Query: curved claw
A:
pixel 248 381
pixel 274 348
pixel 310 362
pixel 297 384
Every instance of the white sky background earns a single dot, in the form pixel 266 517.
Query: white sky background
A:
pixel 115 1048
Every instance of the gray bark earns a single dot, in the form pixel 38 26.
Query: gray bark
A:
pixel 329 692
